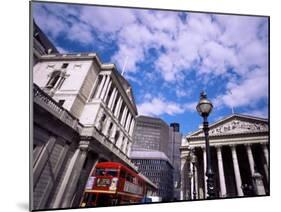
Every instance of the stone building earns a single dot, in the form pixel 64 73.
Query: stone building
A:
pixel 83 113
pixel 239 158
pixel 149 153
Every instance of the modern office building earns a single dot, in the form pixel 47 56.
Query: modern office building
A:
pixel 175 138
pixel 156 166
pixel 149 152
pixel 239 159
pixel 151 134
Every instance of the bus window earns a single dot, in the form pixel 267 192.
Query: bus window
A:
pixel 112 172
pixel 100 172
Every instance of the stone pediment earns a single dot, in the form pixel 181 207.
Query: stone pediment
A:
pixel 235 124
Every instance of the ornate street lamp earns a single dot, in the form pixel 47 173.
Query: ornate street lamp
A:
pixel 204 108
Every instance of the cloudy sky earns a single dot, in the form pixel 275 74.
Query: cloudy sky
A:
pixel 169 57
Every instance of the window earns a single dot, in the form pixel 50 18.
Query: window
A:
pixel 53 79
pixel 61 101
pixel 64 65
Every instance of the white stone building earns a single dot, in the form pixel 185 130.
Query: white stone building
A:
pixel 83 113
pixel 93 92
pixel 239 157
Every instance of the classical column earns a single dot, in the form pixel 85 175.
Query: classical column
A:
pixel 191 180
pixel 118 108
pixel 196 181
pixel 251 159
pixel 105 86
pixel 221 172
pixel 111 97
pixel 124 115
pixel 265 152
pixel 129 147
pixel 100 87
pixel 204 171
pixel 71 177
pixel 257 177
pixel 183 180
pixel 107 91
pixel 236 171
pixel 128 122
pixel 131 127
pixel 113 102
pixel 118 105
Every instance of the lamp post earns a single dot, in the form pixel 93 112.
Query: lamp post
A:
pixel 204 108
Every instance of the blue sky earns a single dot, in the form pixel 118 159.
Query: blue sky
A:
pixel 171 56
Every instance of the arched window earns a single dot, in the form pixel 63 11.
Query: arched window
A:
pixel 55 76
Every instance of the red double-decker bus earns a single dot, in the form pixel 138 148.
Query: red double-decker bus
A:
pixel 112 183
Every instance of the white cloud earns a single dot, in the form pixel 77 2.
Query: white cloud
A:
pixel 246 93
pixel 159 106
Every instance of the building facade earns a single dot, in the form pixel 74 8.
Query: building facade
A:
pixel 239 159
pixel 149 153
pixel 84 113
pixel 156 166
pixel 175 138
pixel 151 134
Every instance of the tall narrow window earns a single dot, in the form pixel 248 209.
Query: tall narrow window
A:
pixel 64 65
pixel 53 79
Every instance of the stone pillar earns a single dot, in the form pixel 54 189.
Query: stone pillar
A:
pixel 257 178
pixel 113 102
pixel 221 172
pixel 71 177
pixel 112 97
pixel 191 180
pixel 107 91
pixel 251 159
pixel 100 87
pixel 124 115
pixel 105 87
pixel 98 119
pixel 265 152
pixel 196 181
pixel 183 180
pixel 204 172
pixel 265 165
pixel 128 122
pixel 106 126
pixel 237 171
pixel 259 187
pixel 117 107
pixel 131 127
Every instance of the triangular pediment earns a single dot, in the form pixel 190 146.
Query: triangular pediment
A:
pixel 235 124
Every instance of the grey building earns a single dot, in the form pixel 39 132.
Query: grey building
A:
pixel 158 168
pixel 149 153
pixel 150 134
pixel 174 144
